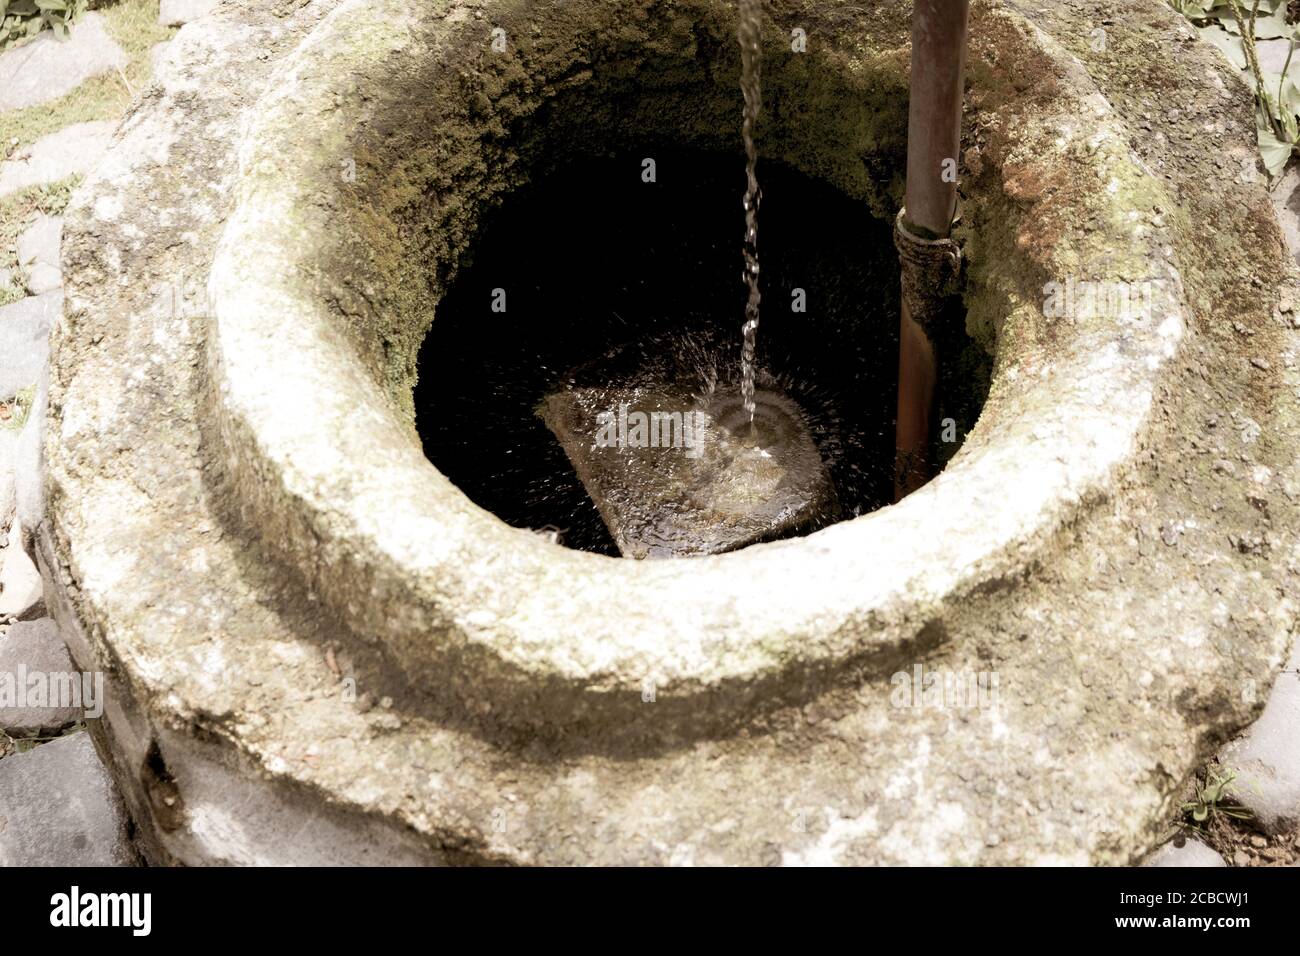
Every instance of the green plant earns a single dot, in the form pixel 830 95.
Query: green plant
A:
pixel 20 19
pixel 1214 800
pixel 134 25
pixel 1227 25
pixel 1275 120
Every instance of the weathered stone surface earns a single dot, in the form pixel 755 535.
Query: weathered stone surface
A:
pixel 58 808
pixel 36 648
pixel 45 68
pixel 556 707
pixel 1192 853
pixel 73 149
pixel 1267 757
pixel 175 13
pixel 21 491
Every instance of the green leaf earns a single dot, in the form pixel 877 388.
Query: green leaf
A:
pixel 1229 44
pixel 1200 814
pixel 1275 151
pixel 1270 24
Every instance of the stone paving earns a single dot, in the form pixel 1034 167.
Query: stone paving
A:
pixel 58 807
pixel 1267 756
pixel 46 68
pixel 57 803
pixel 1191 853
pixel 73 149
pixel 35 651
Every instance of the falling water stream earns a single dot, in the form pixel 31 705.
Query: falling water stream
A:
pixel 579 319
pixel 749 33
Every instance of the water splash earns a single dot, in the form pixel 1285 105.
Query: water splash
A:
pixel 749 34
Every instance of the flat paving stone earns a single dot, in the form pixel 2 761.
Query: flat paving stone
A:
pixel 46 68
pixel 1191 853
pixel 1286 203
pixel 58 807
pixel 22 592
pixel 1267 757
pixel 24 358
pixel 73 149
pixel 38 254
pixel 25 341
pixel 21 489
pixel 43 278
pixel 39 242
pixel 175 13
pixel 41 692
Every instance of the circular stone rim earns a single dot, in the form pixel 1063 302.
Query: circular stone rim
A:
pixel 541 635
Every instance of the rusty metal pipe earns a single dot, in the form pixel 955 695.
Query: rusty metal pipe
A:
pixel 930 203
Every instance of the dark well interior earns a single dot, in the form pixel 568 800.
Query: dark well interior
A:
pixel 594 257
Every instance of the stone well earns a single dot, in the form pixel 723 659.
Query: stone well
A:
pixel 320 651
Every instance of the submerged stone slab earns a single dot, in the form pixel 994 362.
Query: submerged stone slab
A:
pixel 674 473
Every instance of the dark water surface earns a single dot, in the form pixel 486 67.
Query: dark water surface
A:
pixel 594 258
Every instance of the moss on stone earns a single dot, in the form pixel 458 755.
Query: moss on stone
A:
pixel 448 138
